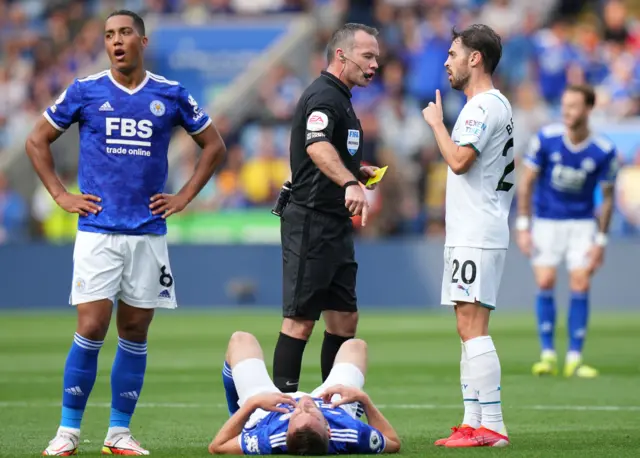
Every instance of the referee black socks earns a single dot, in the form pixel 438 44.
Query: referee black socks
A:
pixel 330 346
pixel 287 363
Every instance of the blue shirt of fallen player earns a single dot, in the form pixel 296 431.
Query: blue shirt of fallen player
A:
pixel 569 174
pixel 268 436
pixel 124 142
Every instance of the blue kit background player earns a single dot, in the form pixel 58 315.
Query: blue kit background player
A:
pixel 566 163
pixel 265 421
pixel 125 116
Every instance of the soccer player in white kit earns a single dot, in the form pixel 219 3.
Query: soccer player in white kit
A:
pixel 479 193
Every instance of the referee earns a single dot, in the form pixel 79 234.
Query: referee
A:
pixel 319 268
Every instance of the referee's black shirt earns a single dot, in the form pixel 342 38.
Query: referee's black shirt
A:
pixel 324 113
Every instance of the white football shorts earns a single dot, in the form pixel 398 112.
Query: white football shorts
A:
pixel 134 268
pixel 251 378
pixel 472 274
pixel 555 240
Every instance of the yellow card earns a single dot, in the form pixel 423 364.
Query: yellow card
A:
pixel 379 174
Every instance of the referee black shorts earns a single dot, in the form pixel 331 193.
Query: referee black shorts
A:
pixel 318 263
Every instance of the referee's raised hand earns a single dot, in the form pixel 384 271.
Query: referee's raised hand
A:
pixel 356 202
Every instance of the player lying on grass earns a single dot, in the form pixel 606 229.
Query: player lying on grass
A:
pixel 265 421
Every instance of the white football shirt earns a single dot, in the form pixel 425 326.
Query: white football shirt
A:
pixel 478 201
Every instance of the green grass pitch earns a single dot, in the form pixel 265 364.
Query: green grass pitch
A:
pixel 413 376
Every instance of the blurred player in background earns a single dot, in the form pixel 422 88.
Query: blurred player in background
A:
pixel 264 421
pixel 126 116
pixel 478 197
pixel 566 162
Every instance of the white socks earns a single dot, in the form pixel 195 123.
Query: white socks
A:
pixel 472 410
pixel 573 357
pixel 483 367
pixel 73 431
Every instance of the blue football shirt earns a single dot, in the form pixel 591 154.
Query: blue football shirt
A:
pixel 569 174
pixel 348 435
pixel 124 141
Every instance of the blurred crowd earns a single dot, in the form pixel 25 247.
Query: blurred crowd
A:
pixel 547 44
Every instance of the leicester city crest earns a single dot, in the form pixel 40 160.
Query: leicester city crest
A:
pixel 157 108
pixel 353 141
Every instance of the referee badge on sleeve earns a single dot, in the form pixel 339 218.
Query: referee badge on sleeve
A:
pixel 317 121
pixel 353 141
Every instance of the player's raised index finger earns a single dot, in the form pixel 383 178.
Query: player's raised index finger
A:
pixel 365 213
pixel 438 98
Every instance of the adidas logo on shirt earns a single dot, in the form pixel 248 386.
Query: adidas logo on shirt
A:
pixel 165 294
pixel 74 390
pixel 106 106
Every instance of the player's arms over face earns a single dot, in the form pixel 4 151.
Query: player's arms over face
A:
pixel 213 152
pixel 525 189
pixel 38 148
pixel 606 210
pixel 459 158
pixel 326 158
pixel 227 440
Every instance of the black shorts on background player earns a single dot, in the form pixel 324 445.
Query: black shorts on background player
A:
pixel 319 269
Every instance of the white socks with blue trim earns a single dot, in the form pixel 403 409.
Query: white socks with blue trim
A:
pixel 484 371
pixel 472 410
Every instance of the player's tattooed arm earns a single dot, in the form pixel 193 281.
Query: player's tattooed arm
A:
pixel 213 152
pixel 38 148
pixel 227 441
pixel 606 209
pixel 523 221
pixel 525 190
pixel 596 255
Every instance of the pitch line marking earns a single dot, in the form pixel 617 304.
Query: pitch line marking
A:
pixel 193 405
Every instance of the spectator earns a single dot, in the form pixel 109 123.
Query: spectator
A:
pixel 279 94
pixel 45 44
pixel 229 190
pixel 556 60
pixel 529 115
pixel 262 175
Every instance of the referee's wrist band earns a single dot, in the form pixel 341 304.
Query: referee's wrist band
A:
pixel 522 223
pixel 601 239
pixel 350 183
